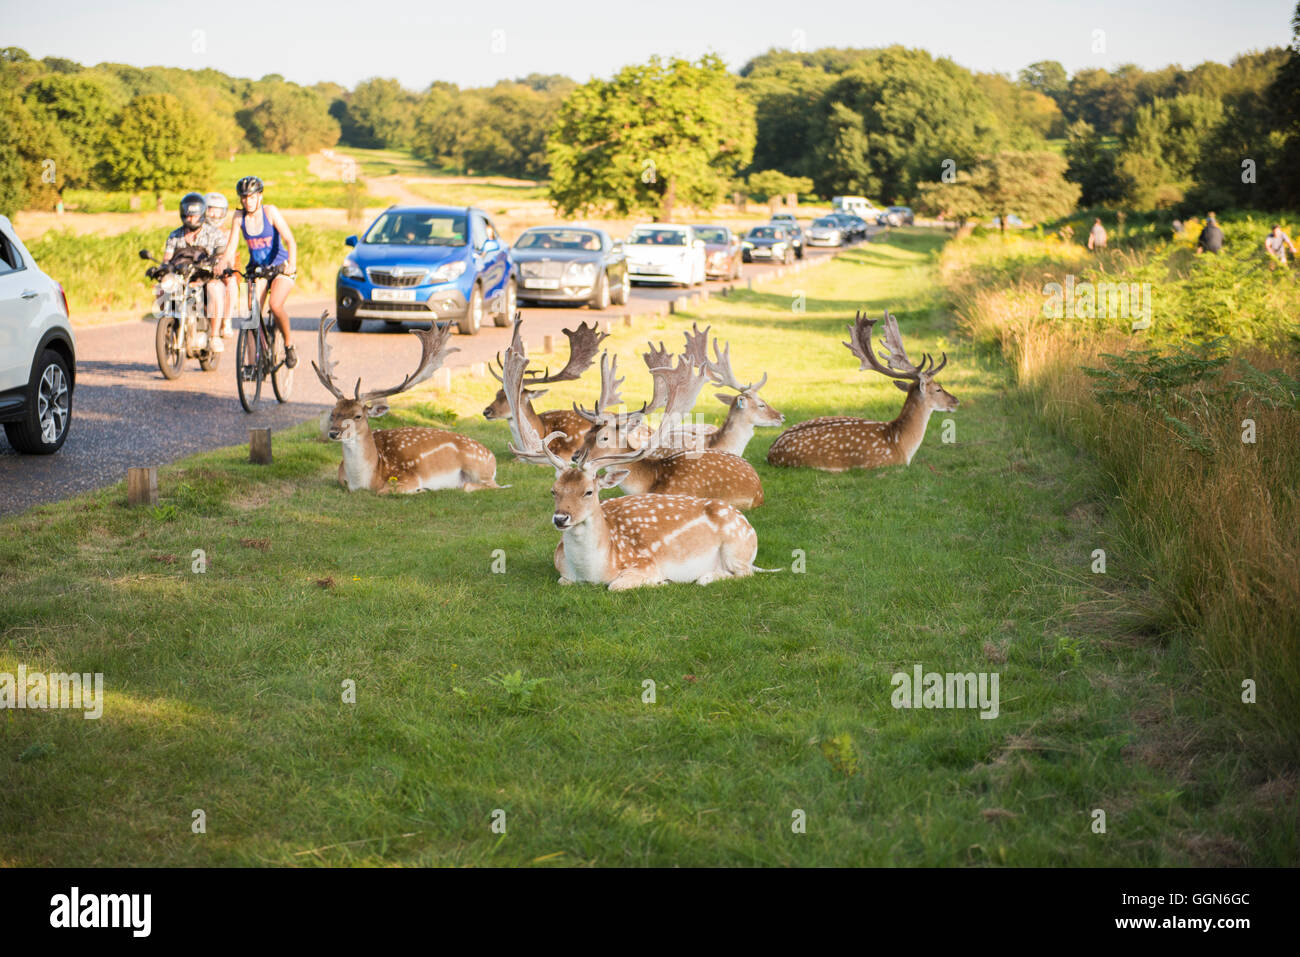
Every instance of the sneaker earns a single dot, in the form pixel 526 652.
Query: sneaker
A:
pixel 290 356
pixel 218 345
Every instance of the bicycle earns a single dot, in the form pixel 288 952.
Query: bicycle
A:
pixel 259 346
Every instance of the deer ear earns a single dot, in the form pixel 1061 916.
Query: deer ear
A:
pixel 905 386
pixel 611 478
pixel 376 408
pixel 535 393
pixel 725 398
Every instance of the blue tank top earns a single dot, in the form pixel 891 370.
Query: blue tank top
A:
pixel 264 249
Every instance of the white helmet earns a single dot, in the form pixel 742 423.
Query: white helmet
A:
pixel 217 207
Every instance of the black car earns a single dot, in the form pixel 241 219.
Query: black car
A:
pixel 855 227
pixel 772 243
pixel 571 265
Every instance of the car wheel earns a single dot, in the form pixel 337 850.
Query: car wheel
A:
pixel 600 300
pixel 623 291
pixel 44 426
pixel 510 304
pixel 470 323
pixel 346 323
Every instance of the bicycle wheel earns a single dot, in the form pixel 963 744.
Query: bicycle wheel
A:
pixel 248 369
pixel 281 374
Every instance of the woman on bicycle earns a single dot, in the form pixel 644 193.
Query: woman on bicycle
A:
pixel 270 244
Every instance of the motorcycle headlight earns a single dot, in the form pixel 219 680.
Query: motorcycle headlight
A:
pixel 170 284
pixel 448 271
pixel 580 272
pixel 351 270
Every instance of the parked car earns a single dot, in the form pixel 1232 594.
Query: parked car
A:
pixel 571 264
pixel 856 206
pixel 771 243
pixel 665 252
pixel 792 226
pixel 852 227
pixel 897 216
pixel 827 231
pixel 721 252
pixel 427 264
pixel 38 354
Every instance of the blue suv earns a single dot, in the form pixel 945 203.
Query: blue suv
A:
pixel 427 264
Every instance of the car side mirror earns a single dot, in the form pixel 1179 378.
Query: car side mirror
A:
pixel 350 241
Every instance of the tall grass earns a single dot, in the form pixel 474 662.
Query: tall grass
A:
pixel 1213 518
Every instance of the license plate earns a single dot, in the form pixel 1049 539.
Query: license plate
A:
pixel 394 295
pixel 541 284
pixel 651 270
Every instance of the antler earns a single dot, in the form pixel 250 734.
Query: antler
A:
pixel 609 390
pixel 697 345
pixel 325 371
pixel 656 358
pixel 680 387
pixel 860 345
pixel 719 370
pixel 583 343
pixel 534 448
pixel 433 350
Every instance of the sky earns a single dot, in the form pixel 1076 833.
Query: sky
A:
pixel 476 44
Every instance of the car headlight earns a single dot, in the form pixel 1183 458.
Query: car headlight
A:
pixel 746 245
pixel 778 245
pixel 580 272
pixel 351 270
pixel 448 271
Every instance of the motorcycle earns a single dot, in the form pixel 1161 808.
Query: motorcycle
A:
pixel 184 331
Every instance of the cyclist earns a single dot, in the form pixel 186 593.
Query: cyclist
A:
pixel 197 240
pixel 218 208
pixel 270 243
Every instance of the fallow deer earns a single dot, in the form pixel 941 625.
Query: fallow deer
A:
pixel 583 343
pixel 745 412
pixel 837 443
pixel 403 460
pixel 634 540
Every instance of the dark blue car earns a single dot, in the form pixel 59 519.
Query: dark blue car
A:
pixel 427 264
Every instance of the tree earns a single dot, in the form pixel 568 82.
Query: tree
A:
pixel 83 107
pixel 379 113
pixel 37 153
pixel 656 135
pixel 155 146
pixel 1030 185
pixel 1091 165
pixel 1161 147
pixel 770 183
pixel 289 119
pixel 1284 98
pixel 1047 77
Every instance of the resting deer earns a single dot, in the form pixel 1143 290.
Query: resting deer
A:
pixel 836 443
pixel 745 410
pixel 583 343
pixel 634 540
pixel 709 473
pixel 401 460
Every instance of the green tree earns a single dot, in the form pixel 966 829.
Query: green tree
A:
pixel 1030 185
pixel 1284 100
pixel 769 184
pixel 36 156
pixel 379 113
pixel 83 106
pixel 289 119
pixel 1091 165
pixel 656 135
pixel 1047 77
pixel 1160 150
pixel 155 146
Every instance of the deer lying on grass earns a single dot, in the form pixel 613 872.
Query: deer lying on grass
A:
pixel 583 343
pixel 705 474
pixel 401 460
pixel 746 411
pixel 634 540
pixel 837 443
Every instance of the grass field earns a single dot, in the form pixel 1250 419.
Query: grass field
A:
pixel 478 691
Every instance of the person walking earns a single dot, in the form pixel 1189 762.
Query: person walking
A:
pixel 1097 236
pixel 1211 238
pixel 1276 244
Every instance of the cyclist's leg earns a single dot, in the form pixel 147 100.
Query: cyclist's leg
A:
pixel 279 292
pixel 228 300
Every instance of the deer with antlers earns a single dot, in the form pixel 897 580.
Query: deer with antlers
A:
pixel 652 466
pixel 634 540
pixel 837 443
pixel 403 460
pixel 583 343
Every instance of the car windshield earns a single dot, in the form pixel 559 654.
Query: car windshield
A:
pixel 418 229
pixel 657 237
pixel 764 232
pixel 711 234
pixel 825 223
pixel 566 239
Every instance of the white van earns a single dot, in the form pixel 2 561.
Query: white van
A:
pixel 856 206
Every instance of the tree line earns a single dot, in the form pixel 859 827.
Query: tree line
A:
pixel 894 124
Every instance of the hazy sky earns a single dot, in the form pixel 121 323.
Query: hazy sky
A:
pixel 477 43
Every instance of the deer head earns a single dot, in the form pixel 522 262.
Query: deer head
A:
pixel 583 344
pixel 744 403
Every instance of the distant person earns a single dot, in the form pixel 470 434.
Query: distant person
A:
pixel 1178 226
pixel 218 209
pixel 1211 238
pixel 1276 244
pixel 1097 236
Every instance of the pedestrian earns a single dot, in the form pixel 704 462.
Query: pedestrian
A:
pixel 1097 236
pixel 1211 238
pixel 1276 244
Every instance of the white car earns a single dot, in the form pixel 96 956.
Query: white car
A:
pixel 825 232
pixel 665 252
pixel 37 351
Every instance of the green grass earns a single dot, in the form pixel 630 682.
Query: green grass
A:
pixel 773 692
pixel 288 184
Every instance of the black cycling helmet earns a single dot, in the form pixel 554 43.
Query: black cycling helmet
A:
pixel 193 205
pixel 248 186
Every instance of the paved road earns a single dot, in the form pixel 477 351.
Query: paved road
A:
pixel 126 414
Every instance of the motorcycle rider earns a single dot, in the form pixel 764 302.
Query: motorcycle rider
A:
pixel 218 209
pixel 206 243
pixel 270 243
